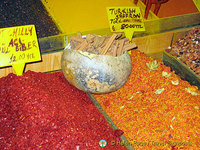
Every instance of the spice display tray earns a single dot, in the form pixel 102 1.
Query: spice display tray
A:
pixel 177 65
pixel 181 69
pixel 109 120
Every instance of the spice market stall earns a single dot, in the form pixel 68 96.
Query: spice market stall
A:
pixel 153 107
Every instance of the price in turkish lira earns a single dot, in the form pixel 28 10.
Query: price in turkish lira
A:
pixel 18 45
pixel 125 19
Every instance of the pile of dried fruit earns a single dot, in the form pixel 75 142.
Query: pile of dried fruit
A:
pixel 43 111
pixel 155 108
pixel 187 49
pixel 102 45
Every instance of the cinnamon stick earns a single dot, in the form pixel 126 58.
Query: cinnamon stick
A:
pixel 101 40
pixel 77 39
pixel 105 42
pixel 96 40
pixel 79 35
pixel 129 46
pixel 99 50
pixel 83 45
pixel 103 45
pixel 120 50
pixel 119 35
pixel 114 51
pixel 90 38
pixel 112 38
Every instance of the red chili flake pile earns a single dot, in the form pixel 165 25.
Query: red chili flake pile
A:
pixel 155 110
pixel 43 111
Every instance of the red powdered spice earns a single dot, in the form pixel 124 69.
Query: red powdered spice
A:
pixel 43 111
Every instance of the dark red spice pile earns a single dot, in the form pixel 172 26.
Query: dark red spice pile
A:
pixel 43 111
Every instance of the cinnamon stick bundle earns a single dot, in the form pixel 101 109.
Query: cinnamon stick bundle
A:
pixel 102 45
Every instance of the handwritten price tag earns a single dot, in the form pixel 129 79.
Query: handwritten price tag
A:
pixel 125 19
pixel 18 45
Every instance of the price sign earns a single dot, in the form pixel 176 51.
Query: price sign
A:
pixel 18 45
pixel 125 19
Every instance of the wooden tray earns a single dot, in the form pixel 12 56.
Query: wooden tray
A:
pixel 181 69
pixel 127 144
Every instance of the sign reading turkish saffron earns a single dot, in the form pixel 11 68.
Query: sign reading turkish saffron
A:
pixel 125 19
pixel 18 45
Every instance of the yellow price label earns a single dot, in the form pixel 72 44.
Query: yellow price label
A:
pixel 18 45
pixel 125 19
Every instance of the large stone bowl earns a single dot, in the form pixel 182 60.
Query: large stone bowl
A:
pixel 95 73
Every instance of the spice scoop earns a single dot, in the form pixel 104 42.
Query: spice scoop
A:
pixel 96 70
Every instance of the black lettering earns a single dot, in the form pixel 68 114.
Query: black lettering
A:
pixel 15 42
pixel 123 26
pixel 29 45
pixel 26 31
pixel 22 31
pixel 19 31
pixel 30 56
pixel 30 30
pixel 22 56
pixel 12 58
pixel 112 10
pixel 119 11
pixel 111 21
pixel 11 43
pixel 14 32
pixel 22 45
pixel 17 48
pixel 16 45
pixel 34 43
pixel 133 10
pixel 136 15
pixel 4 50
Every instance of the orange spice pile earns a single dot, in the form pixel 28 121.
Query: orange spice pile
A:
pixel 155 108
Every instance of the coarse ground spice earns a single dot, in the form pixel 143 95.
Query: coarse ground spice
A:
pixel 154 113
pixel 43 111
pixel 27 12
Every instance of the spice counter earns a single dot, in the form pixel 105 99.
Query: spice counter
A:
pixel 151 109
pixel 155 108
